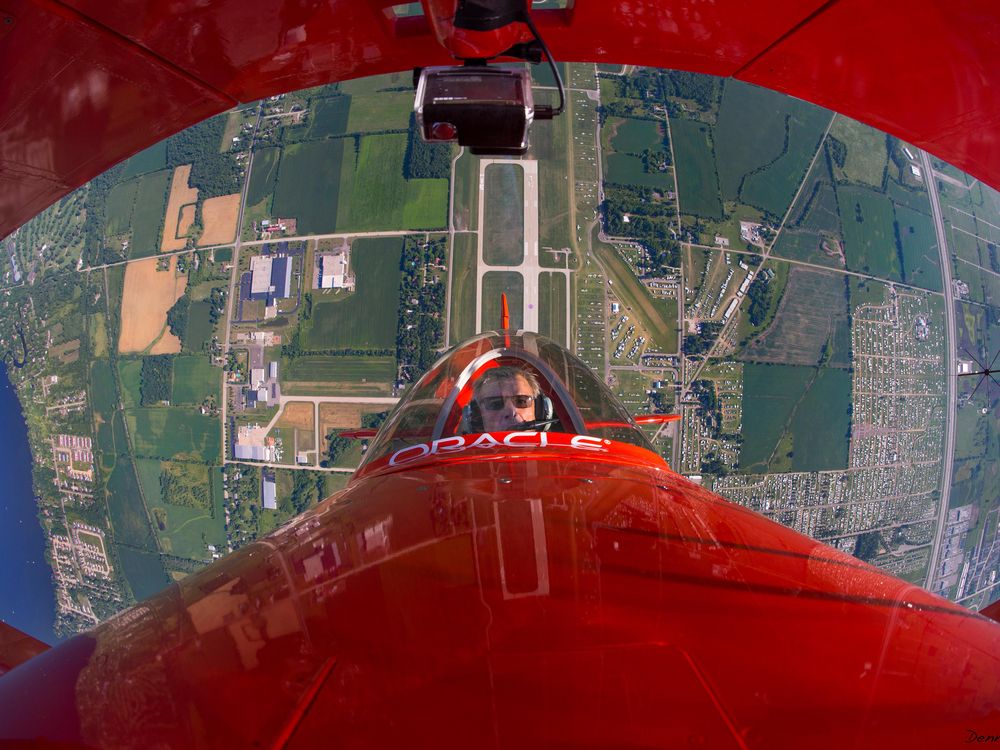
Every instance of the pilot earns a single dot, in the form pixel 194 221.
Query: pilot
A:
pixel 505 397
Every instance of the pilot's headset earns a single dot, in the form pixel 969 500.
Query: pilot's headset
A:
pixel 472 416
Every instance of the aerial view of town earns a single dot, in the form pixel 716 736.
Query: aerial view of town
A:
pixel 815 298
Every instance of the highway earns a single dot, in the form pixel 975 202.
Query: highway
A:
pixel 950 367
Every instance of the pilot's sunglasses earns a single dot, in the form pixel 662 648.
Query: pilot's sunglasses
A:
pixel 495 403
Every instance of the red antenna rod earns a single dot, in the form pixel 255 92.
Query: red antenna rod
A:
pixel 504 313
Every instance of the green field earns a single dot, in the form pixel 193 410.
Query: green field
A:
pixel 329 116
pixel 921 260
pixel 375 196
pixel 309 194
pixel 550 145
pixel 174 432
pixel 367 318
pixel 185 531
pixel 697 180
pixel 496 283
pixel 635 136
pixel 625 169
pixel 143 571
pixel 751 134
pixel 772 187
pixel 130 372
pixel 194 380
pixel 102 388
pixel 341 369
pixel 552 306
pixel 384 110
pixel 128 518
pixel 463 288
pixel 869 242
pixel 147 214
pixel 200 327
pixel 150 160
pixel 467 191
pixel 503 230
pixel 118 209
pixel 263 175
pixel 770 396
pixel 819 427
pixel 866 152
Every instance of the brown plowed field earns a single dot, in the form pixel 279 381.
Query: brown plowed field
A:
pixel 147 297
pixel 219 215
pixel 181 194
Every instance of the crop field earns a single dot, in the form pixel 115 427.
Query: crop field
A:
pixel 148 212
pixel 463 288
pixel 635 136
pixel 770 396
pixel 103 398
pixel 344 416
pixel 129 370
pixel 366 318
pixel 866 152
pixel 467 191
pixel 819 427
pixel 798 244
pixel 341 369
pixel 385 200
pixel 297 415
pixel 263 175
pixel 697 180
pixel 496 283
pixel 181 195
pixel 194 380
pixel 128 518
pixel 309 194
pixel 503 230
pixel 812 314
pixel 143 571
pixel 219 216
pixel 148 295
pixel 183 531
pixel 552 307
pixel 812 232
pixel 869 242
pixel 199 328
pixel 118 209
pixel 174 432
pixel 329 117
pixel 625 169
pixel 911 198
pixel 152 159
pixel 772 187
pixel 384 110
pixel 921 260
pixel 750 134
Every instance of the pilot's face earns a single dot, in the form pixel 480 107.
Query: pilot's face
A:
pixel 498 403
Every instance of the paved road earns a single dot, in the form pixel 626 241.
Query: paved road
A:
pixel 951 368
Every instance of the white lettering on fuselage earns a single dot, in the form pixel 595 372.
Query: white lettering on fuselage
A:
pixel 460 443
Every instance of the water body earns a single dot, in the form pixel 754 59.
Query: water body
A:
pixel 27 595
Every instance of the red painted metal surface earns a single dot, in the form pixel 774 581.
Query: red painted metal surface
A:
pixel 17 647
pixel 523 603
pixel 88 83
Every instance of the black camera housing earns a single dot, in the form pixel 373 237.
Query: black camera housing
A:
pixel 487 109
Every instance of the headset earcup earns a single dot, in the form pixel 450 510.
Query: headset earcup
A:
pixel 543 410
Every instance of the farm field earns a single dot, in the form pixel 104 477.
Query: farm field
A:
pixel 174 432
pixel 263 175
pixel 697 181
pixel 382 110
pixel 463 288
pixel 219 216
pixel 819 427
pixel 503 233
pixel 626 169
pixel 143 571
pixel 385 199
pixel 147 213
pixel 329 116
pixel 552 306
pixel 550 145
pixel 148 295
pixel 199 328
pixel 867 156
pixel 466 172
pixel 181 195
pixel 812 315
pixel 184 531
pixel 634 136
pixel 921 260
pixel 152 159
pixel 496 283
pixel 770 396
pixel 118 209
pixel 128 518
pixel 194 380
pixel 103 398
pixel 366 318
pixel 869 242
pixel 130 373
pixel 340 369
pixel 310 195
